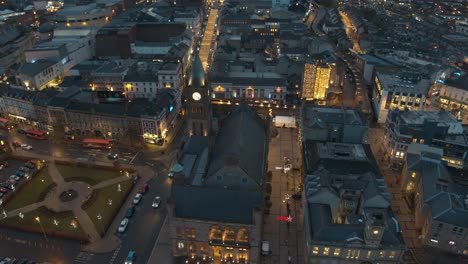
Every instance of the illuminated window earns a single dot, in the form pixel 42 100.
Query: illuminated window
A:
pixel 421 141
pixel 392 255
pixel 413 174
pixel 415 140
pixel 180 245
pixel 337 252
pixel 180 232
pixel 369 254
pixel 326 251
pixel 375 232
pixel 315 250
pixel 382 254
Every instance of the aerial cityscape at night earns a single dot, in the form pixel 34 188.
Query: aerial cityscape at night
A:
pixel 233 131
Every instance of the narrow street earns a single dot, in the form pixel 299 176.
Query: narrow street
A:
pixel 286 239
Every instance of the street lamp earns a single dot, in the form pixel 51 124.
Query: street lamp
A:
pixel 99 217
pixel 42 228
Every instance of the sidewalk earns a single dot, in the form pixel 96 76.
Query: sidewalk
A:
pixel 399 207
pixel 162 252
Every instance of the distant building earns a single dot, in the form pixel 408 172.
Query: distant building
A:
pixel 90 15
pixel 347 214
pixel 440 198
pixel 333 125
pixel 144 79
pixel 430 128
pixel 453 95
pixel 13 41
pixel 36 75
pixel 397 89
pixel 215 211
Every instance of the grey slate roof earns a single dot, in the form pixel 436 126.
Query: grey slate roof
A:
pixel 242 135
pixel 218 205
pixel 322 227
pixel 198 75
pixel 196 144
pixel 32 69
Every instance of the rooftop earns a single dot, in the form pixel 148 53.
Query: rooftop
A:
pixel 217 205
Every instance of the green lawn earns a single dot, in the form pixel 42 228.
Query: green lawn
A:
pixel 89 175
pixel 62 228
pixel 32 192
pixel 99 204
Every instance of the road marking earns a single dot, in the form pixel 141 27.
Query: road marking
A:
pixel 83 257
pixel 114 256
pixel 131 161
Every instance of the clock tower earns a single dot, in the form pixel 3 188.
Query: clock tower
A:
pixel 198 106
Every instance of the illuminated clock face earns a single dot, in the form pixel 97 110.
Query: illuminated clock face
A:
pixel 196 96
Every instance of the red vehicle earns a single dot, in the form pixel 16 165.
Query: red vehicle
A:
pixel 144 188
pixel 37 134
pixel 96 143
pixel 5 124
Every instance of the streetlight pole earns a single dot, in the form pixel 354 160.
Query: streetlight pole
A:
pixel 99 217
pixel 42 228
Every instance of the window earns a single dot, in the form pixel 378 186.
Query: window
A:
pixel 415 140
pixel 337 252
pixel 326 251
pixel 315 250
pixel 190 233
pixel 421 141
pixel 413 174
pixel 382 254
pixel 369 254
pixel 392 255
pixel 180 232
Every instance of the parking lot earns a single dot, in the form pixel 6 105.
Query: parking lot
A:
pixel 11 175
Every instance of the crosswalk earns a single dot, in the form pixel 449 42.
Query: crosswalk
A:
pixel 114 255
pixel 83 257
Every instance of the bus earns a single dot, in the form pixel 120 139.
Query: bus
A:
pixel 96 143
pixel 37 134
pixel 4 124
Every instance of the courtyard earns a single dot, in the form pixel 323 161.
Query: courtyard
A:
pixel 68 200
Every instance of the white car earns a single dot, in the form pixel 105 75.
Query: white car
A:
pixel 137 198
pixel 156 202
pixel 123 225
pixel 26 146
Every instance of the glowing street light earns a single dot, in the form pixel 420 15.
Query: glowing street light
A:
pixel 42 228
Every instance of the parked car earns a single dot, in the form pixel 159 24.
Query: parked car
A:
pixel 144 188
pixel 156 202
pixel 12 181
pixel 16 144
pixel 26 146
pixel 25 169
pixel 130 257
pixel 1 167
pixel 130 211
pixel 266 248
pixel 21 131
pixel 3 190
pixel 30 165
pixel 5 164
pixel 20 173
pixel 15 177
pixel 112 156
pixel 137 198
pixel 123 225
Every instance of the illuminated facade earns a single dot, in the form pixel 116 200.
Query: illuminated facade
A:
pixel 397 90
pixel 317 80
pixel 440 129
